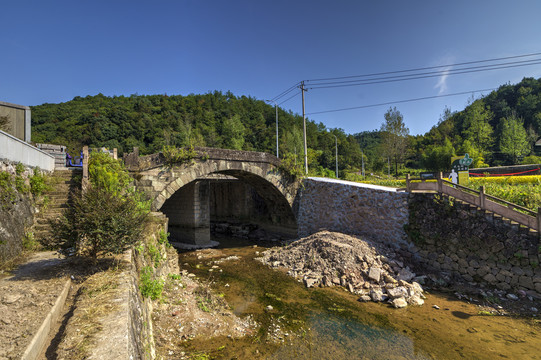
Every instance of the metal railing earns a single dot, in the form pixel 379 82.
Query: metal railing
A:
pixel 478 198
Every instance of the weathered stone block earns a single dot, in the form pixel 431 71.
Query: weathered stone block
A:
pixel 483 270
pixel 491 279
pixel 503 286
pixel 526 282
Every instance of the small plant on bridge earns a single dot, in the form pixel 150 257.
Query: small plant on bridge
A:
pixel 290 166
pixel 178 156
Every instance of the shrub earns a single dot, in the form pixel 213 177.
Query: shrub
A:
pixel 178 156
pixel 107 173
pixel 99 223
pixel 532 159
pixel 106 219
pixel 7 191
pixel 150 287
pixel 37 183
pixel 291 166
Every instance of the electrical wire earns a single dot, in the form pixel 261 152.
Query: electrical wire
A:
pixel 285 92
pixel 419 77
pixel 326 83
pixel 297 94
pixel 428 68
pixel 398 102
pixel 438 73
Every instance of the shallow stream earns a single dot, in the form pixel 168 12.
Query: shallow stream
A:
pixel 329 323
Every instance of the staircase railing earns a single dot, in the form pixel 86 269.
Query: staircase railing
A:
pixel 480 199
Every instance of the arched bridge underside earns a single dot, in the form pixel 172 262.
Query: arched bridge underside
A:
pixel 182 191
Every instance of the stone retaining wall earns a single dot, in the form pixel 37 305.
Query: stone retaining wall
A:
pixel 15 217
pixel 455 238
pixel 378 213
pixel 140 332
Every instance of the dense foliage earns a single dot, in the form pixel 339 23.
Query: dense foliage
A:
pixel 499 129
pixel 108 217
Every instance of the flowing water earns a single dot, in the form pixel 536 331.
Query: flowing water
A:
pixel 329 323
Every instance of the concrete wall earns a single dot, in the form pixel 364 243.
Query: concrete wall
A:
pixel 57 151
pixel 189 214
pixel 376 212
pixel 16 150
pixel 18 120
pixel 235 200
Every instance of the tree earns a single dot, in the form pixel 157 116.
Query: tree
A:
pixel 438 157
pixel 476 126
pixel 514 140
pixel 233 133
pixel 395 137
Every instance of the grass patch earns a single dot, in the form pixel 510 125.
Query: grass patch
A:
pixel 94 301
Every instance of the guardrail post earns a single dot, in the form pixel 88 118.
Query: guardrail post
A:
pixel 84 183
pixel 115 154
pixel 408 179
pixel 482 197
pixel 440 182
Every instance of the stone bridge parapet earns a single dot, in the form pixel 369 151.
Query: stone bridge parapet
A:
pixel 134 162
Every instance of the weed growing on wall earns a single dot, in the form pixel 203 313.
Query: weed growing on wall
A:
pixel 148 286
pixel 38 183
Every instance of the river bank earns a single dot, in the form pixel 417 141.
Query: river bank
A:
pixel 330 322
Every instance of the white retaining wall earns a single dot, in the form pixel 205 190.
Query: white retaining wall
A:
pixel 15 150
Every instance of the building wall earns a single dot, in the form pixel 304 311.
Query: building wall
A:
pixel 16 150
pixel 18 120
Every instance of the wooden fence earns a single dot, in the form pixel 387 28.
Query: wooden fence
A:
pixel 480 199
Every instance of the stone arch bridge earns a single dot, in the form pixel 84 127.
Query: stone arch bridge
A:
pixel 184 192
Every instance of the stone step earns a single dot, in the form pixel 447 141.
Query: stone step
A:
pixel 58 193
pixel 42 227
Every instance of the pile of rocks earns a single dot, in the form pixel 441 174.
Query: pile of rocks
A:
pixel 362 267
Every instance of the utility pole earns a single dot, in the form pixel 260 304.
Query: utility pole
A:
pixel 304 129
pixel 336 153
pixel 362 161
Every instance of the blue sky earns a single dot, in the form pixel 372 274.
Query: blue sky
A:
pixel 52 51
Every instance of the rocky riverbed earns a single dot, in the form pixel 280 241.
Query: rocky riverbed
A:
pixel 361 266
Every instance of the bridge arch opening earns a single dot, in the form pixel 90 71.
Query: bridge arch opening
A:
pixel 234 202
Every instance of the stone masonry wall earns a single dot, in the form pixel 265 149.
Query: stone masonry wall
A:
pixel 455 238
pixel 375 212
pixel 16 217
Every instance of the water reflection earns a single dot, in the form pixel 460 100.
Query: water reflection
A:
pixel 332 337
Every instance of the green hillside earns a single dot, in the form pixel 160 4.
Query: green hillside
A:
pixel 489 129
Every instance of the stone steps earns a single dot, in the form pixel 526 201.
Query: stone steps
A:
pixel 60 197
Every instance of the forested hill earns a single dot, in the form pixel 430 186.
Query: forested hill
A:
pixel 214 119
pixel 498 129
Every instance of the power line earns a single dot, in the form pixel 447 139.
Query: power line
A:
pixel 437 73
pixel 428 68
pixel 285 92
pixel 289 98
pixel 414 77
pixel 399 101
